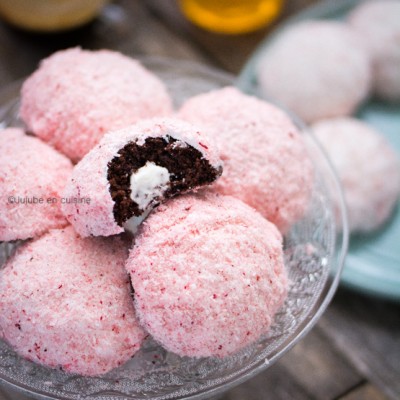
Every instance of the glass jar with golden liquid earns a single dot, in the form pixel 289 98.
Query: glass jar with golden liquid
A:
pixel 231 16
pixel 49 15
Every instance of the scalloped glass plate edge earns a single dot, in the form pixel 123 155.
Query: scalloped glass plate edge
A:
pixel 167 69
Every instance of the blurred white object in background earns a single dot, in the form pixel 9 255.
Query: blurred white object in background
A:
pixel 379 25
pixel 368 168
pixel 317 69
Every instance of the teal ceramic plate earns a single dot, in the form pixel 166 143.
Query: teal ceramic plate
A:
pixel 373 262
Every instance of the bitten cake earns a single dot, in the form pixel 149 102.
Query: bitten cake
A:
pixel 133 170
pixel 32 178
pixel 378 23
pixel 65 303
pixel 208 275
pixel 76 96
pixel 318 69
pixel 369 170
pixel 266 164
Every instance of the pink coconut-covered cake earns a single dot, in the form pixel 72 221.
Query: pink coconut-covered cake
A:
pixel 368 168
pixel 65 303
pixel 133 170
pixel 266 164
pixel 32 178
pixel 378 23
pixel 208 275
pixel 317 69
pixel 76 96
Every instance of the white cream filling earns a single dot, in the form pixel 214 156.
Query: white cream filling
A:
pixel 148 183
pixel 133 223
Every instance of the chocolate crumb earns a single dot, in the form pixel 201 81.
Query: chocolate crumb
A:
pixel 132 290
pixel 186 165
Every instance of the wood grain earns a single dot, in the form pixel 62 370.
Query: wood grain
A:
pixel 311 370
pixel 320 367
pixel 364 392
pixel 367 332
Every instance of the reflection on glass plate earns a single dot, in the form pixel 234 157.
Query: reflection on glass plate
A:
pixel 313 255
pixel 373 261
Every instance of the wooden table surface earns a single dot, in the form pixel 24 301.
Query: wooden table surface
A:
pixel 353 353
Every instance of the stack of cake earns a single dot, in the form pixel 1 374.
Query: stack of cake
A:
pixel 141 220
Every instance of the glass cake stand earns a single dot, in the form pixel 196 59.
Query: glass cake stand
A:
pixel 314 256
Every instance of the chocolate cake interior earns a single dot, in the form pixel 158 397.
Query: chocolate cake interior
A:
pixel 186 165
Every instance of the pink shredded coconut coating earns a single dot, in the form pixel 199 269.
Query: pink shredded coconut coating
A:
pixel 317 69
pixel 30 169
pixel 89 178
pixel 76 96
pixel 368 167
pixel 208 275
pixel 378 23
pixel 65 302
pixel 266 164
